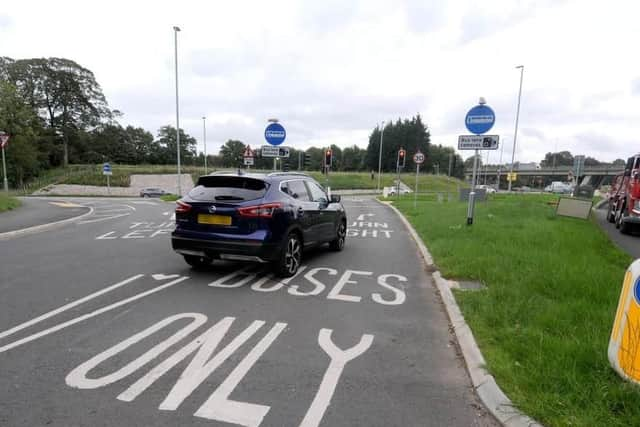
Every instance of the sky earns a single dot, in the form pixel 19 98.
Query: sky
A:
pixel 332 70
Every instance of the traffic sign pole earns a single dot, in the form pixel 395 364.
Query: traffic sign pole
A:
pixel 415 194
pixel 4 168
pixel 472 193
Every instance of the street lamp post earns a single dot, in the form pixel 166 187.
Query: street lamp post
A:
pixel 175 33
pixel 204 139
pixel 380 156
pixel 515 134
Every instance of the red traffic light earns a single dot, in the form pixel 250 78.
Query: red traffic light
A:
pixel 401 153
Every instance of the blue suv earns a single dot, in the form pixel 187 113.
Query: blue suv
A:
pixel 267 218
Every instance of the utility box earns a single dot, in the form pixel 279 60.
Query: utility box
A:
pixel 576 208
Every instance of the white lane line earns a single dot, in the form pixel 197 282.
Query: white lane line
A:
pixel 90 315
pixel 67 306
pixel 103 218
pixel 112 211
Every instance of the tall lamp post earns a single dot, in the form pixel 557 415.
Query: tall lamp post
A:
pixel 204 139
pixel 515 134
pixel 380 156
pixel 175 33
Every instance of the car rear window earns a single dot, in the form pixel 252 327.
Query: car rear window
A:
pixel 228 189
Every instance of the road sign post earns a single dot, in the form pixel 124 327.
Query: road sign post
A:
pixel 479 120
pixel 418 159
pixel 248 157
pixel 4 141
pixel 106 170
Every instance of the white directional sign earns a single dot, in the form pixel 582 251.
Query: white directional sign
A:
pixel 248 161
pixel 274 151
pixel 478 142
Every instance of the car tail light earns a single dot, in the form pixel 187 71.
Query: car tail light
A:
pixel 182 207
pixel 259 211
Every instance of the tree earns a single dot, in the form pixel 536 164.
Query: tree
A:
pixel 60 90
pixel 619 162
pixel 562 158
pixel 22 124
pixel 468 162
pixel 412 135
pixel 231 153
pixel 167 147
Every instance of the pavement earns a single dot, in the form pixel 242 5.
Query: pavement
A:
pixel 630 243
pixel 102 324
pixel 34 212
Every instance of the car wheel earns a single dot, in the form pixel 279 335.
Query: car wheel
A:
pixel 618 217
pixel 625 227
pixel 341 234
pixel 198 262
pixel 146 196
pixel 290 257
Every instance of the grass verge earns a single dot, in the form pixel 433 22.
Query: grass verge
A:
pixel 169 197
pixel 544 321
pixel 8 203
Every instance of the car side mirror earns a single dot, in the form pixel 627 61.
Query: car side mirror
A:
pixel 335 198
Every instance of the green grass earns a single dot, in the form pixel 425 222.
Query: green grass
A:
pixel 544 321
pixel 7 203
pixel 169 197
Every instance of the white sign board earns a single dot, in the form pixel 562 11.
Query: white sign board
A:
pixel 248 161
pixel 478 142
pixel 274 151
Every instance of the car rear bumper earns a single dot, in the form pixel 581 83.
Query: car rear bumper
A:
pixel 631 219
pixel 237 250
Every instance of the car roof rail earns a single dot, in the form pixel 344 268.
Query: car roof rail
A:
pixel 289 173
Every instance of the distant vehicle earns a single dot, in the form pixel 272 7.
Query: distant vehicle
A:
pixel 153 192
pixel 392 191
pixel 487 188
pixel 624 198
pixel 558 188
pixel 257 218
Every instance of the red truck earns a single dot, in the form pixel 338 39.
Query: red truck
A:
pixel 624 197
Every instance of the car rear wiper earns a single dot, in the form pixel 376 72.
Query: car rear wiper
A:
pixel 228 198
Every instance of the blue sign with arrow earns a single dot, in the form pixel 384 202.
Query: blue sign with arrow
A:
pixel 106 169
pixel 275 134
pixel 480 119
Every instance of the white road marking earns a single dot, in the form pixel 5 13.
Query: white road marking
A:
pixel 221 282
pixel 78 377
pixel 164 276
pixel 400 295
pixel 107 236
pixel 220 408
pixel 99 218
pixel 90 315
pixel 335 291
pixel 361 216
pixel 319 286
pixel 67 306
pixel 339 358
pixel 145 203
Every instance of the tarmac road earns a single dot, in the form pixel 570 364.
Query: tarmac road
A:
pixel 101 324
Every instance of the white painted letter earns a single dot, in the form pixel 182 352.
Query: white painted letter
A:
pixel 339 358
pixel 78 377
pixel 400 295
pixel 220 408
pixel 319 286
pixel 220 283
pixel 335 292
pixel 106 236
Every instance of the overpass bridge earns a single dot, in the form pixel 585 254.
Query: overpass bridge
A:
pixel 592 175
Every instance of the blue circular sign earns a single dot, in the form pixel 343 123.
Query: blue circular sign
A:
pixel 636 291
pixel 275 134
pixel 106 167
pixel 480 119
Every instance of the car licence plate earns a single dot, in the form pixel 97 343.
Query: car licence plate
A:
pixel 214 219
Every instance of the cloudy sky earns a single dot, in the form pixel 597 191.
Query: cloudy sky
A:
pixel 331 70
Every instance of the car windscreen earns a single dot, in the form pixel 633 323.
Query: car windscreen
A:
pixel 228 189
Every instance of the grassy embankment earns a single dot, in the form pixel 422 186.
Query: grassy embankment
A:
pixel 543 322
pixel 8 203
pixel 92 175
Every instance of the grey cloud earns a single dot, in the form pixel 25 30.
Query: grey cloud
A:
pixel 5 21
pixel 481 23
pixel 635 87
pixel 322 17
pixel 425 16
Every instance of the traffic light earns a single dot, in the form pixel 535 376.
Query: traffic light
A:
pixel 402 154
pixel 307 160
pixel 285 166
pixel 328 157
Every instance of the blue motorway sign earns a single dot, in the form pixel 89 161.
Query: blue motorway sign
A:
pixel 480 119
pixel 275 134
